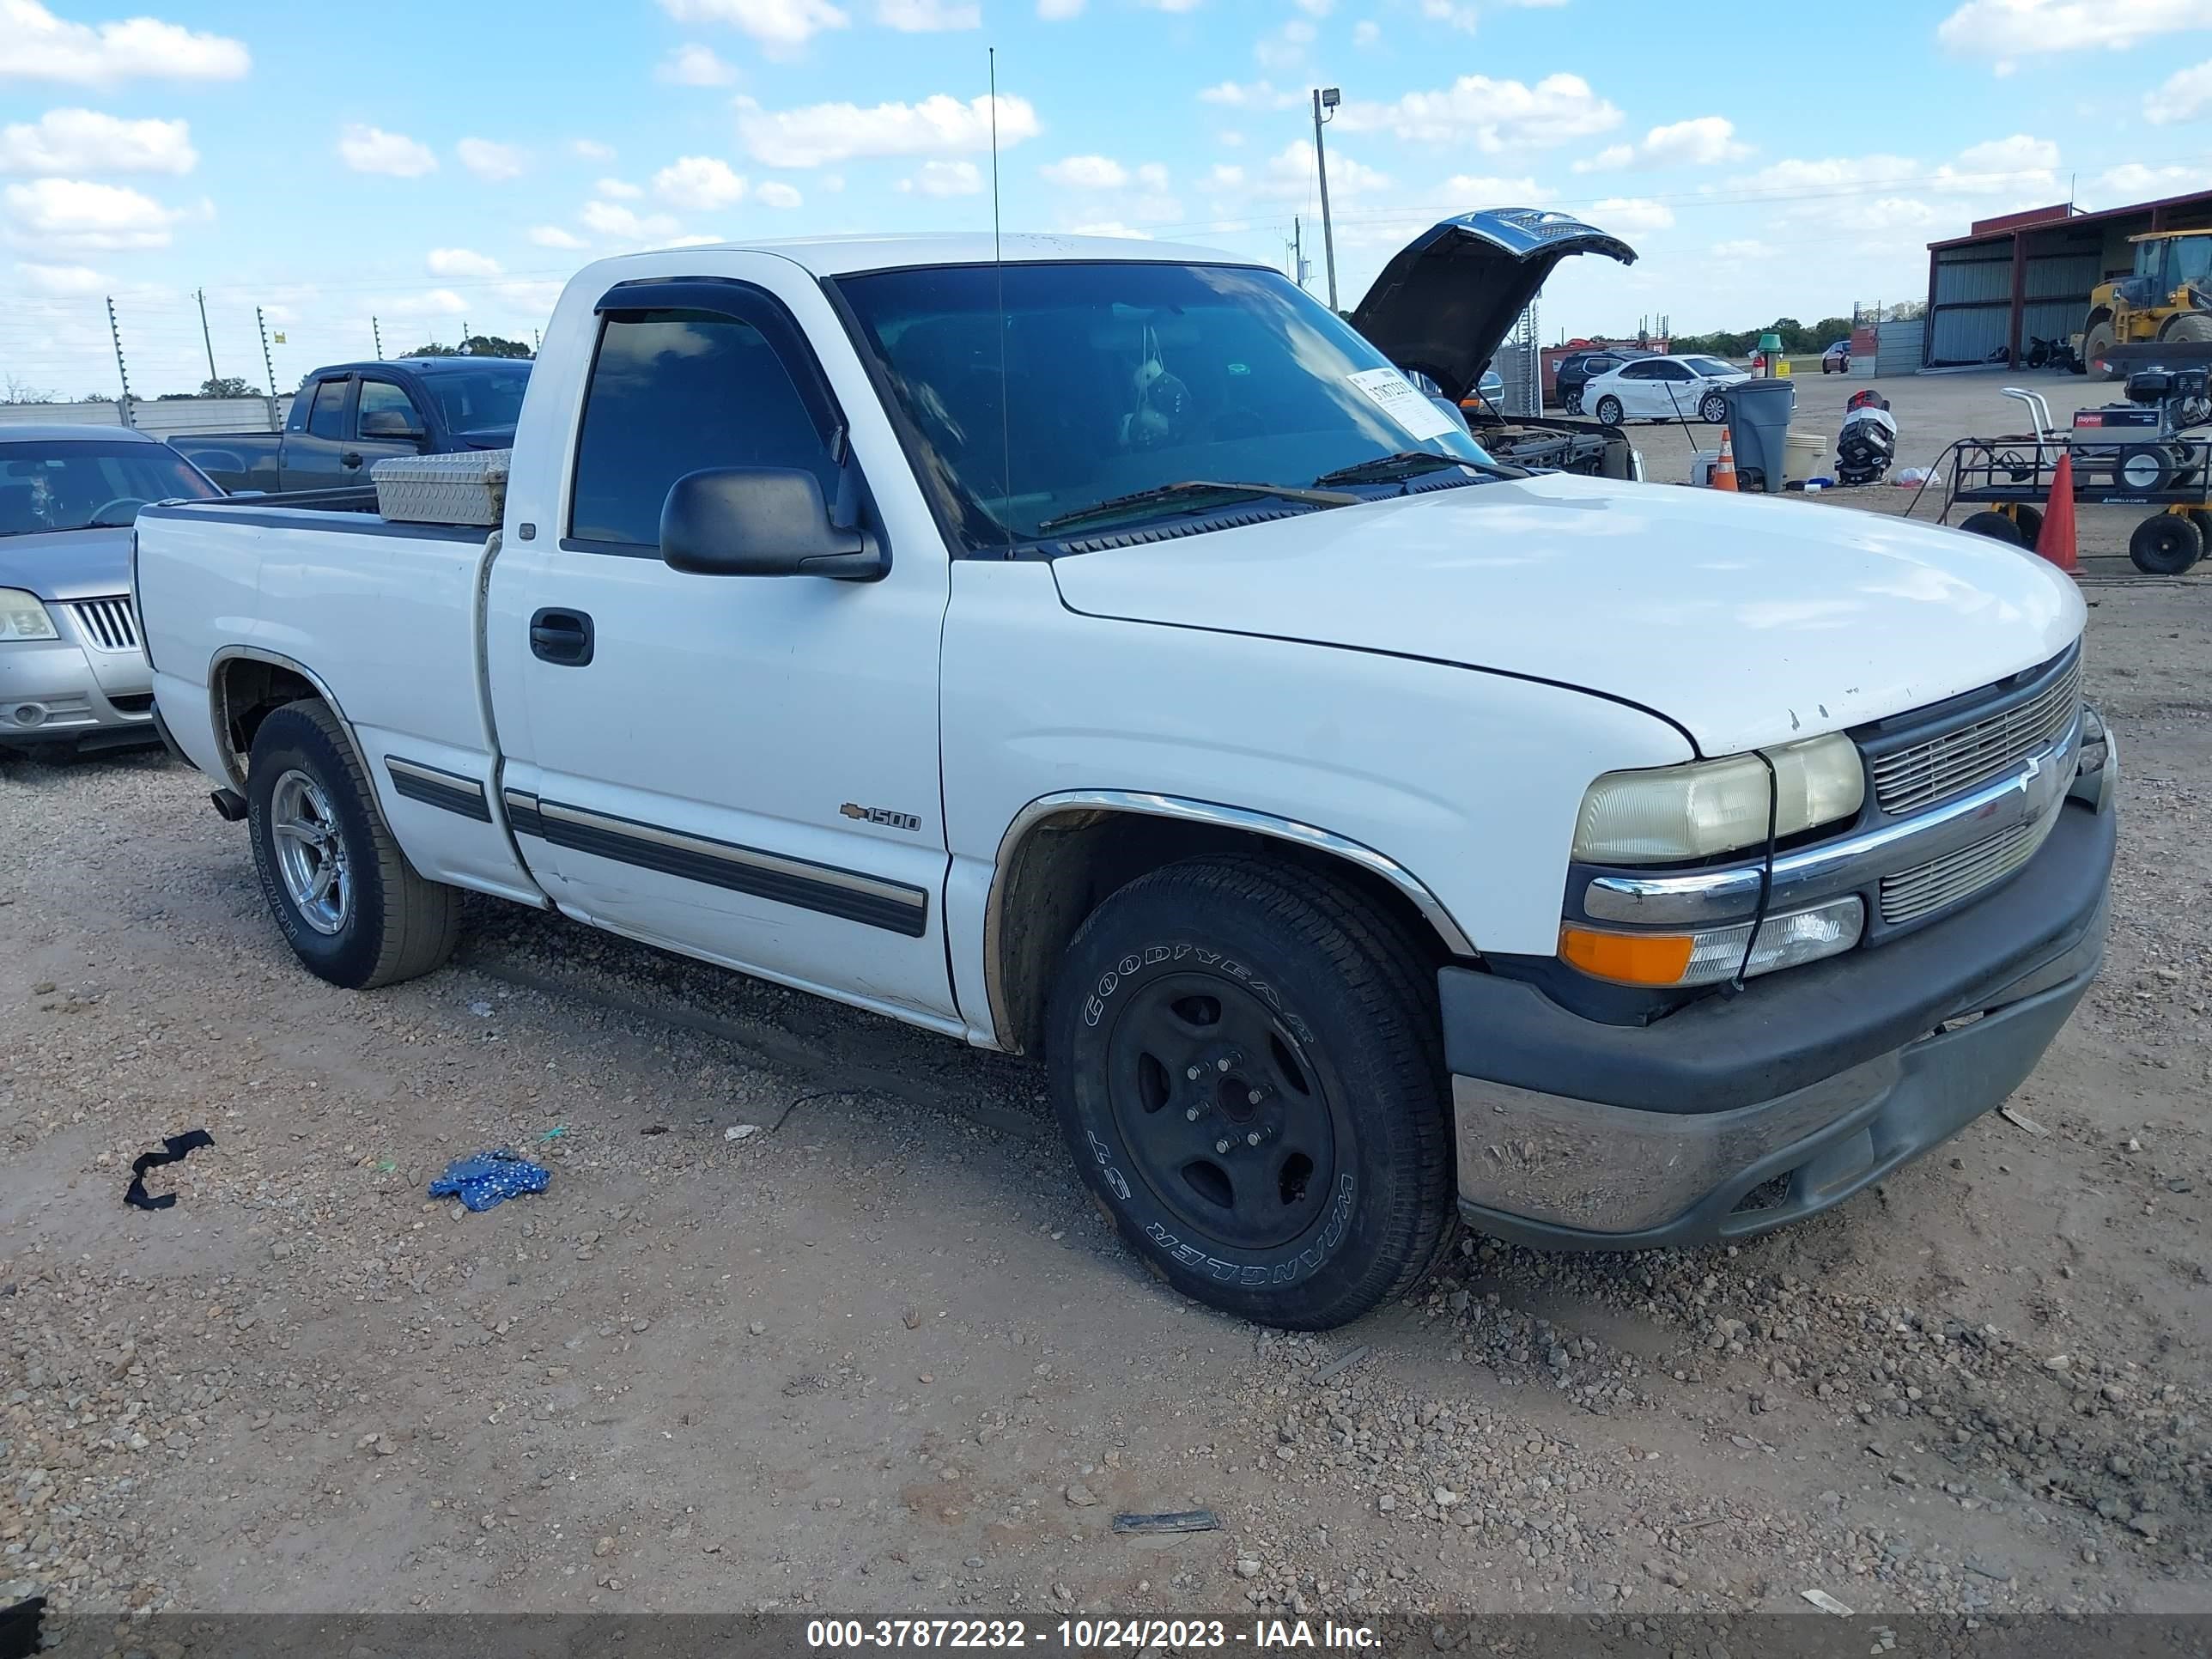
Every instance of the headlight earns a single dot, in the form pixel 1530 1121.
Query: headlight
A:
pixel 1673 814
pixel 22 617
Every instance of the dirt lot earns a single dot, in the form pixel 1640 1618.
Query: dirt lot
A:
pixel 876 1354
pixel 1933 411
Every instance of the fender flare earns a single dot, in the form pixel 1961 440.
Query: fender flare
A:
pixel 218 711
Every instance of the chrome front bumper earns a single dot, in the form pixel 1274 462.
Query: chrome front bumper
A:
pixel 1739 1114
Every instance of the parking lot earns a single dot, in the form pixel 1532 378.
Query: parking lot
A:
pixel 874 1352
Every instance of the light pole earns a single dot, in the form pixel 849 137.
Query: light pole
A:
pixel 1326 98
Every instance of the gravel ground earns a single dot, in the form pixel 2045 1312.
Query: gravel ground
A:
pixel 875 1354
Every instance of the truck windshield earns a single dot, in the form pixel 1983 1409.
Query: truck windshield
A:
pixel 1122 378
pixel 480 398
pixel 78 483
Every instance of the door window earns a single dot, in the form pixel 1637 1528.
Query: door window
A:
pixel 1670 372
pixel 383 398
pixel 327 418
pixel 1638 371
pixel 673 392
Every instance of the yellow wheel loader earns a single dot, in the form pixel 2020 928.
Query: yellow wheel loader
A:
pixel 2168 297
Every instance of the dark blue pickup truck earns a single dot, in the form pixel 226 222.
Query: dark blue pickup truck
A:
pixel 349 416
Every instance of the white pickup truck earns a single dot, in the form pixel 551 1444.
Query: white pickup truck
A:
pixel 1104 651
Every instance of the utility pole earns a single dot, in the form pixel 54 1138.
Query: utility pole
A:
pixel 536 339
pixel 206 339
pixel 376 333
pixel 464 335
pixel 1326 98
pixel 267 361
pixel 115 333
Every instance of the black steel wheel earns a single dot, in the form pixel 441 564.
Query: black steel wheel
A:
pixel 1609 412
pixel 1246 1065
pixel 1713 410
pixel 1995 526
pixel 2166 544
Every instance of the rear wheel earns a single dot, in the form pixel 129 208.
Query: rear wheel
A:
pixel 2100 339
pixel 2166 544
pixel 351 906
pixel 1609 412
pixel 1995 526
pixel 2028 521
pixel 1245 1064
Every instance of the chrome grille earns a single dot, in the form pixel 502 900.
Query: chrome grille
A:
pixel 106 623
pixel 1977 751
pixel 1911 894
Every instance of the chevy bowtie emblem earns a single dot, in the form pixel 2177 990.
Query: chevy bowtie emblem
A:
pixel 882 815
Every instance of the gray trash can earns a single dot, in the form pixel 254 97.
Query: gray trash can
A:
pixel 1759 416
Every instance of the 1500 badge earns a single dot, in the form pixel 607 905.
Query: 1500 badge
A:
pixel 882 815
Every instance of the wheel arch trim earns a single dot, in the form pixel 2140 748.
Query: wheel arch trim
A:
pixel 218 709
pixel 1141 804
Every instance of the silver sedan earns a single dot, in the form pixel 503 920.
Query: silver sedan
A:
pixel 72 672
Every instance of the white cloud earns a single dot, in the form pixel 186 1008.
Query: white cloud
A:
pixel 944 178
pixel 1288 176
pixel 461 262
pixel 1115 227
pixel 625 224
pixel 2133 181
pixel 1223 177
pixel 2008 29
pixel 815 134
pixel 1259 95
pixel 777 194
pixel 1456 13
pixel 42 46
pixel 1059 11
pixel 1467 190
pixel 78 140
pixel 1285 49
pixel 61 282
pixel 1317 8
pixel 781 26
pixel 928 16
pixel 1742 248
pixel 618 190
pixel 489 162
pixel 2182 97
pixel 1172 5
pixel 1366 32
pixel 591 149
pixel 703 182
pixel 72 214
pixel 372 149
pixel 694 65
pixel 1493 115
pixel 2001 166
pixel 430 303
pixel 1606 160
pixel 554 236
pixel 1701 142
pixel 1087 172
pixel 1626 214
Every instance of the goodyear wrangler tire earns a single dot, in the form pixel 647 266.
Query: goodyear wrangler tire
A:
pixel 1246 1064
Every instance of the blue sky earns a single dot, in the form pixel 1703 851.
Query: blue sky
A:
pixel 431 165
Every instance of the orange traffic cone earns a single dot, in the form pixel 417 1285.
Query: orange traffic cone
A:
pixel 1724 468
pixel 2055 541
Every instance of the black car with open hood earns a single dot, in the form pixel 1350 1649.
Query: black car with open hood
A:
pixel 1445 303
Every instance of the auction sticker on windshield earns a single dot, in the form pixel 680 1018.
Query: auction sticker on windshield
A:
pixel 1404 403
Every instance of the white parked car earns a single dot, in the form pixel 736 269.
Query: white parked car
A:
pixel 1106 653
pixel 1662 389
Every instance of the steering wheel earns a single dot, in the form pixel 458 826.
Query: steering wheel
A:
pixel 1233 420
pixel 134 503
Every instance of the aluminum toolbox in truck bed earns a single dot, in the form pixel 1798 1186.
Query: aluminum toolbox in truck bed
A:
pixel 469 488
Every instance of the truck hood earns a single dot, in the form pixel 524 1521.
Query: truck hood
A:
pixel 67 564
pixel 1745 622
pixel 1444 303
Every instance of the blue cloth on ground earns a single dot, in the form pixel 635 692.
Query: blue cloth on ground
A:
pixel 487 1178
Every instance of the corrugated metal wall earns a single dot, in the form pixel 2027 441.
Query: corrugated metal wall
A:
pixel 1970 311
pixel 163 419
pixel 1897 347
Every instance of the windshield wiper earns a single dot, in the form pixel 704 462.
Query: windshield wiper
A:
pixel 1169 492
pixel 1406 464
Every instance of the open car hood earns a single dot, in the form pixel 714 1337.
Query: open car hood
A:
pixel 1444 303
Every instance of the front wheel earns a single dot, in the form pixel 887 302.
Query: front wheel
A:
pixel 1713 411
pixel 1245 1064
pixel 1609 412
pixel 1997 527
pixel 351 907
pixel 2098 339
pixel 2166 544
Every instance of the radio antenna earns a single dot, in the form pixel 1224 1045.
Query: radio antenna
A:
pixel 998 273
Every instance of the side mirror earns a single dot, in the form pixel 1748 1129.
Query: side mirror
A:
pixel 761 521
pixel 390 424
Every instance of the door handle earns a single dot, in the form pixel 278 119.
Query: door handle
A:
pixel 350 458
pixel 562 638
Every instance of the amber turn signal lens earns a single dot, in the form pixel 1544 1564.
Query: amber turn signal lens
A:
pixel 1627 958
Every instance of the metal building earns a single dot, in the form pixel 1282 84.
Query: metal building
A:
pixel 2027 275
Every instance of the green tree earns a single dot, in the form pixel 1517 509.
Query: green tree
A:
pixel 433 349
pixel 229 386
